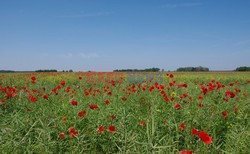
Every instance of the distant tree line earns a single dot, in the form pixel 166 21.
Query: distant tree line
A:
pixel 138 70
pixel 68 70
pixel 6 71
pixel 46 70
pixel 193 69
pixel 243 68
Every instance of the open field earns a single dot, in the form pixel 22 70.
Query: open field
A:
pixel 64 113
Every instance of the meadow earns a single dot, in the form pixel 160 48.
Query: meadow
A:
pixel 185 113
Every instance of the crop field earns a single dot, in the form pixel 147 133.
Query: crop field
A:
pixel 78 113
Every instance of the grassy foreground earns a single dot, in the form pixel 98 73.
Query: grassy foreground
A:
pixel 186 113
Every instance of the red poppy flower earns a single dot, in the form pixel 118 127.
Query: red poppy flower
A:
pixel 143 123
pixel 86 93
pixel 200 98
pixel 205 137
pixel 80 78
pixel 182 126
pixel 184 85
pixel 112 117
pixel 28 109
pixel 33 99
pixel 46 97
pixel 230 94
pixel 33 78
pixel 194 131
pixel 200 104
pixel 171 84
pixel 74 103
pixel 244 94
pixel 93 106
pixel 63 83
pixel 177 106
pixel 82 113
pixel 166 99
pixel 171 75
pixel 236 109
pixel 100 129
pixel 107 102
pixel 72 132
pixel 224 114
pixel 64 119
pixel 111 129
pixel 61 135
pixel 124 98
pixel 186 152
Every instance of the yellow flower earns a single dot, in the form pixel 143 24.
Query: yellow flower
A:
pixel 173 94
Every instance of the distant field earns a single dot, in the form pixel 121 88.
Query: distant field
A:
pixel 66 113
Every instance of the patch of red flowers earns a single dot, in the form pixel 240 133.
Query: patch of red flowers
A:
pixel 111 129
pixel 194 131
pixel 82 113
pixel 230 94
pixel 205 137
pixel 61 135
pixel 112 117
pixel 100 130
pixel 28 109
pixel 74 103
pixel 107 102
pixel 143 123
pixel 184 85
pixel 124 98
pixel 72 132
pixel 182 126
pixel 63 83
pixel 93 106
pixel 186 152
pixel 224 114
pixel 64 119
pixel 177 106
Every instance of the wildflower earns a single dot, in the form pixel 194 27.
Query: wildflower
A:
pixel 186 152
pixel 82 113
pixel 74 103
pixel 111 129
pixel 64 119
pixel 112 117
pixel 224 114
pixel 107 102
pixel 182 126
pixel 173 94
pixel 63 83
pixel 61 135
pixel 143 123
pixel 72 132
pixel 177 106
pixel 100 129
pixel 205 137
pixel 93 106
pixel 194 131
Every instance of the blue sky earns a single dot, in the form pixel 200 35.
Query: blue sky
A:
pixel 104 35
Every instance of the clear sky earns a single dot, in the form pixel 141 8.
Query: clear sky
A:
pixel 104 35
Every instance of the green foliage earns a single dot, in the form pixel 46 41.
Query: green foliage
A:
pixel 138 70
pixel 6 71
pixel 243 68
pixel 193 69
pixel 46 70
